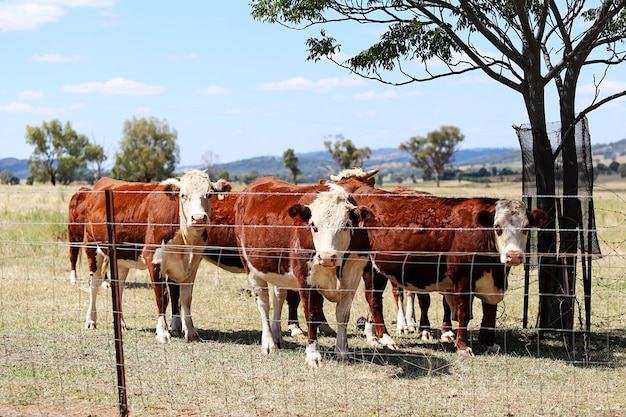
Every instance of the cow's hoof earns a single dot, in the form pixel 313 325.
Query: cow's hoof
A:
pixel 388 342
pixel 426 336
pixel 192 336
pixel 295 330
pixel 447 336
pixel 268 348
pixel 495 349
pixel 313 356
pixel 411 329
pixel 90 324
pixel 345 357
pixel 164 338
pixel 465 353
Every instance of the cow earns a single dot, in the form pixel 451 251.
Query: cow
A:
pixel 76 228
pixel 160 227
pixel 462 247
pixel 223 252
pixel 297 237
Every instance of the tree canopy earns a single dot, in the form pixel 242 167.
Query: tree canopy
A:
pixel 345 153
pixel 148 151
pixel 435 151
pixel 59 152
pixel 290 161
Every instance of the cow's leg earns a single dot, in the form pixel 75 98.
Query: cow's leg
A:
pixel 176 325
pixel 342 313
pixel 375 284
pixel 293 301
pixel 487 334
pixel 186 293
pixel 398 297
pixel 464 307
pixel 74 253
pixel 424 303
pixel 449 305
pixel 263 305
pixel 410 310
pixel 312 303
pixel 95 260
pixel 122 274
pixel 161 297
pixel 280 294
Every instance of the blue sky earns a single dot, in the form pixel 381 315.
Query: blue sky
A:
pixel 232 87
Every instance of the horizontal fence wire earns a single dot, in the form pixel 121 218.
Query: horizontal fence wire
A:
pixel 52 365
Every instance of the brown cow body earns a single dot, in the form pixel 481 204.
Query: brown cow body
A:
pixel 159 227
pixel 311 259
pixel 223 252
pixel 458 246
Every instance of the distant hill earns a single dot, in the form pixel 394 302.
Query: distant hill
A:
pixel 389 161
pixel 19 167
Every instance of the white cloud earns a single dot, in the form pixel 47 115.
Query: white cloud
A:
pixel 214 91
pixel 30 95
pixel 18 107
pixel 114 87
pixel 56 59
pixel 301 83
pixel 16 15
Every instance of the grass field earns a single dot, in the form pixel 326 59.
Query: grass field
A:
pixel 51 366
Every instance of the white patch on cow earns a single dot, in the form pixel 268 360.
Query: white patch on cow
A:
pixel 510 230
pixel 444 285
pixel 331 225
pixel 486 290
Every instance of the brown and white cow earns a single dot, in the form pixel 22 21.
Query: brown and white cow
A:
pixel 223 252
pixel 158 226
pixel 459 246
pixel 297 237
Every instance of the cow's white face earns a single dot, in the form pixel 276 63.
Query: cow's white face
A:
pixel 332 218
pixel 195 190
pixel 511 224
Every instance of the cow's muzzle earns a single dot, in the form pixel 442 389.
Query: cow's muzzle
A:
pixel 514 258
pixel 327 259
pixel 199 219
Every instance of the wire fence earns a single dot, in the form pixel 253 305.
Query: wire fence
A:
pixel 50 364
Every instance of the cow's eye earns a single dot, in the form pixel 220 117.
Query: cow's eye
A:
pixel 184 196
pixel 497 229
pixel 314 227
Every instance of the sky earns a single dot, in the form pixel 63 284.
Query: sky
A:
pixel 233 87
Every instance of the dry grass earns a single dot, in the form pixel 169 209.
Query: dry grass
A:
pixel 51 366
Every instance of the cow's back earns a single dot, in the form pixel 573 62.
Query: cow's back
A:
pixel 263 228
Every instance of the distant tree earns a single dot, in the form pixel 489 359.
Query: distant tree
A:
pixel 210 163
pixel 5 176
pixel 434 152
pixel 59 152
pixel 345 154
pixel 224 175
pixel 148 151
pixel 614 166
pixel 94 155
pixel 291 162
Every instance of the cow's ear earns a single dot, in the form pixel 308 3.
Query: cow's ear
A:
pixel 537 218
pixel 485 218
pixel 300 214
pixel 171 187
pixel 360 215
pixel 221 186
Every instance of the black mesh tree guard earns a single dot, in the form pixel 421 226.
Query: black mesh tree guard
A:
pixel 557 287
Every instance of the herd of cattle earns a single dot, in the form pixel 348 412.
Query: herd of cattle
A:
pixel 311 242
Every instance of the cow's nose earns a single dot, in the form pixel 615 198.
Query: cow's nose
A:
pixel 199 219
pixel 326 259
pixel 514 258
